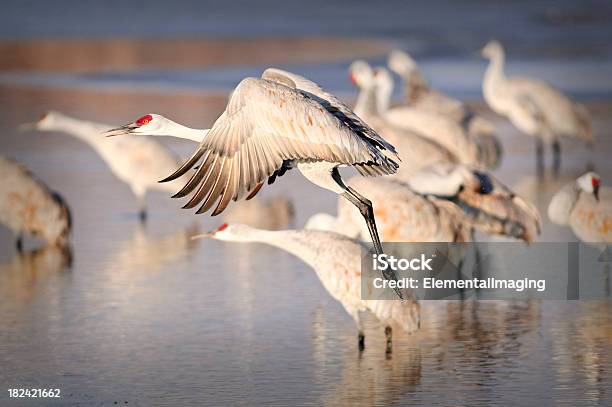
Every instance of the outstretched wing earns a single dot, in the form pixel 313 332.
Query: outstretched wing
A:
pixel 266 124
pixel 331 103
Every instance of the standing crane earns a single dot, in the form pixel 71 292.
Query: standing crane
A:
pixel 534 107
pixel 441 203
pixel 586 207
pixel 337 261
pixel 27 206
pixel 139 161
pixel 415 151
pixel 434 126
pixel 273 124
pixel 487 204
pixel 419 95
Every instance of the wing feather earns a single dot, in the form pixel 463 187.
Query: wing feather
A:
pixel 205 185
pixel 267 123
pixel 196 178
pixel 331 103
pixel 216 187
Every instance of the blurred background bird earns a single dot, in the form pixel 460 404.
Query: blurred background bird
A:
pixel 415 150
pixel 534 107
pixel 417 93
pixel 586 207
pixel 29 207
pixel 139 162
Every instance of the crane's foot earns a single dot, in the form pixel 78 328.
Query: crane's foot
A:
pixel 142 215
pixel 19 244
pixel 389 336
pixel 361 341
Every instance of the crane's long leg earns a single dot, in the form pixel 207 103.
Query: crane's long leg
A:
pixel 140 194
pixel 19 243
pixel 367 211
pixel 389 336
pixel 360 336
pixel 556 150
pixel 539 156
pixel 142 215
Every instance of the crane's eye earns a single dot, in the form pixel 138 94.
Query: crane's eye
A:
pixel 144 120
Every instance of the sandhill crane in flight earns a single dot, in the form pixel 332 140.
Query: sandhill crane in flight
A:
pixel 276 213
pixel 586 207
pixel 534 107
pixel 419 95
pixel 140 162
pixel 27 206
pixel 415 151
pixel 336 259
pixel 272 124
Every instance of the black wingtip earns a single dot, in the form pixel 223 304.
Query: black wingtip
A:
pixel 189 205
pixel 169 178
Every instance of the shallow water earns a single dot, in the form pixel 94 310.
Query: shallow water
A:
pixel 143 316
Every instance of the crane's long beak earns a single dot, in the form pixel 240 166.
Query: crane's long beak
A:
pixel 27 126
pixel 596 192
pixel 203 235
pixel 121 131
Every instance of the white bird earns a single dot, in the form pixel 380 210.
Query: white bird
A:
pixel 272 124
pixel 586 207
pixel 419 95
pixel 140 162
pixel 534 107
pixel 28 206
pixel 488 205
pixel 433 126
pixel 415 151
pixel 336 259
pixel 276 213
pixel 417 92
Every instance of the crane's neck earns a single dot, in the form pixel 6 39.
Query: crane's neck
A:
pixel 495 71
pixel 383 98
pixel 87 131
pixel 173 129
pixel 415 86
pixel 366 102
pixel 292 241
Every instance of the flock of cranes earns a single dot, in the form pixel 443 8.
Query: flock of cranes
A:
pixel 432 156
